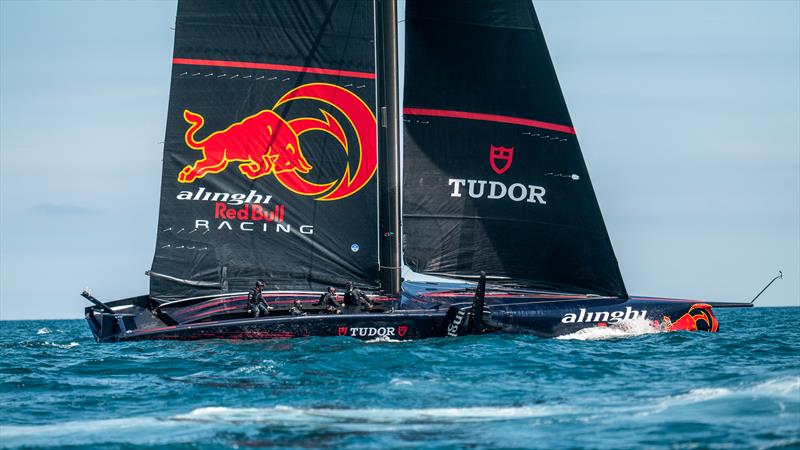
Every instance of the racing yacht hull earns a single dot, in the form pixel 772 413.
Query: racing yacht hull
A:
pixel 426 310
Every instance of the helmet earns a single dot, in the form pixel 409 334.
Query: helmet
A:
pixel 349 285
pixel 260 284
pixel 331 289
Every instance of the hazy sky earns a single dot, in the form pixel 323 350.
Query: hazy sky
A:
pixel 688 114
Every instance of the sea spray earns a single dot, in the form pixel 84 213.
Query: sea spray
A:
pixel 623 329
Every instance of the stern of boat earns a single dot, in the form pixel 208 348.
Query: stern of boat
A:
pixel 110 322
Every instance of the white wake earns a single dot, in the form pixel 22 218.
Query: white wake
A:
pixel 623 329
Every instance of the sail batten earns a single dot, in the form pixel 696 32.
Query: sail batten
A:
pixel 494 179
pixel 278 67
pixel 488 118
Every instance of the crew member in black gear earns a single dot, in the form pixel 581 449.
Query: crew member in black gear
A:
pixel 355 300
pixel 328 301
pixel 297 309
pixel 258 305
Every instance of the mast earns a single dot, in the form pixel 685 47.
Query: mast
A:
pixel 388 143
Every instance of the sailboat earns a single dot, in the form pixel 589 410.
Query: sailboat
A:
pixel 282 163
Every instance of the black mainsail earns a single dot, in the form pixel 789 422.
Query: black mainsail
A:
pixel 494 179
pixel 270 151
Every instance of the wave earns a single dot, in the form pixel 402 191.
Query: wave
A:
pixel 283 414
pixel 777 388
pixel 178 428
pixel 64 346
pixel 206 421
pixel 267 367
pixel 385 339
pixel 39 344
pixel 623 329
pixel 77 432
pixel 44 330
pixel 400 382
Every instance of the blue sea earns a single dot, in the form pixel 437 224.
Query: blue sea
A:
pixel 739 388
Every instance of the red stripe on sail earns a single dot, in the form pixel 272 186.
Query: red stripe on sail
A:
pixel 488 118
pixel 282 67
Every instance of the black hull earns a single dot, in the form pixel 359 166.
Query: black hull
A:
pixel 395 326
pixel 423 312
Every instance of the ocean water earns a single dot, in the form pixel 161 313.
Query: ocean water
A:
pixel 631 388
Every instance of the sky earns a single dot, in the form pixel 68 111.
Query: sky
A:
pixel 688 114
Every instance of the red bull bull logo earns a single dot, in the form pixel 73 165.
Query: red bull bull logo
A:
pixel 266 144
pixel 700 317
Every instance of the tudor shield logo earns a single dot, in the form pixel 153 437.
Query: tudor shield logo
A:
pixel 402 330
pixel 500 158
pixel 342 331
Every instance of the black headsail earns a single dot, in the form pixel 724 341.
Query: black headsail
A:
pixel 494 179
pixel 270 150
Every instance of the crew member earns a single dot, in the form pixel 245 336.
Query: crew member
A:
pixel 328 301
pixel 355 300
pixel 258 305
pixel 297 309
